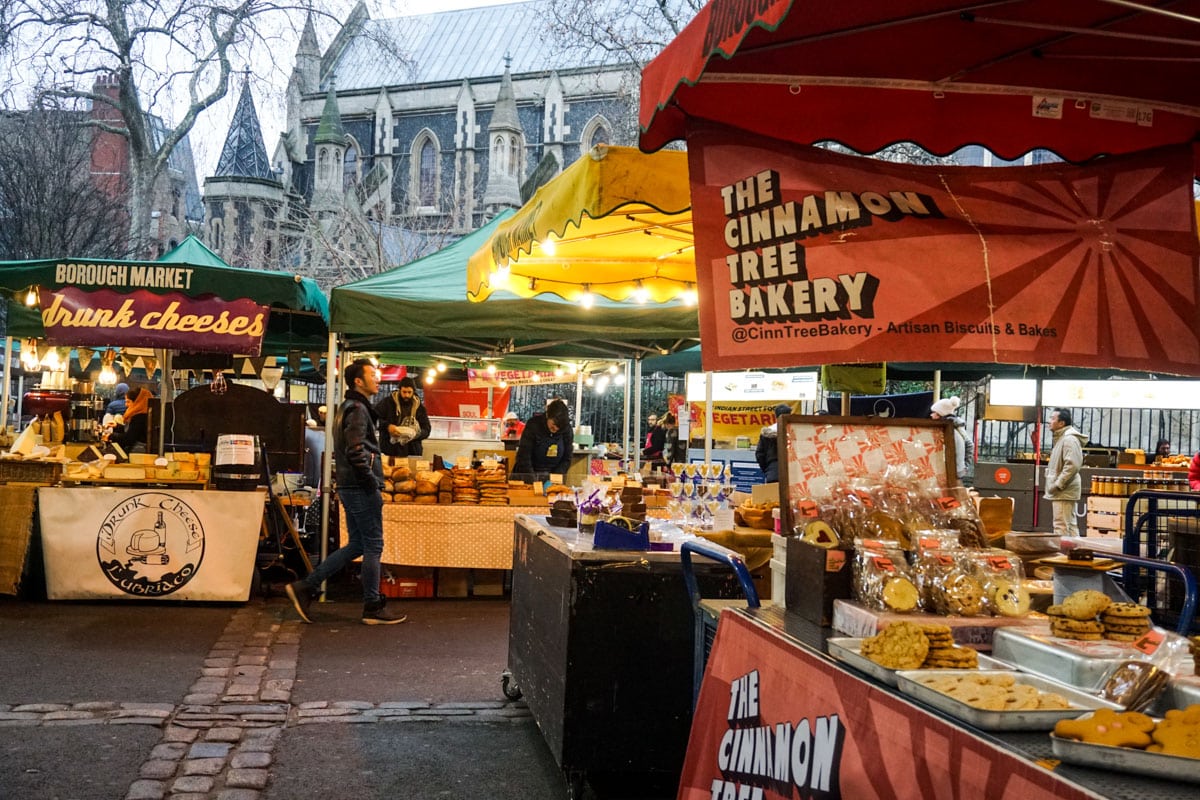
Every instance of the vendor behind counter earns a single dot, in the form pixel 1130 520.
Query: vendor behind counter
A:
pixel 546 446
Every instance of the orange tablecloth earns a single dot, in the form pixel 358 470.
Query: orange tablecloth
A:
pixel 474 537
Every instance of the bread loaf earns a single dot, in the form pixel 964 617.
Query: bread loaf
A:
pixel 425 487
pixel 426 499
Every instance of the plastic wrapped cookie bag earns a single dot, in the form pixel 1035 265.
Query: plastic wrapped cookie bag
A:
pixel 1002 576
pixel 955 509
pixel 882 578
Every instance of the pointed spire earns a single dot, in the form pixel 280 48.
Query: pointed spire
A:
pixel 330 130
pixel 505 114
pixel 308 38
pixel 244 154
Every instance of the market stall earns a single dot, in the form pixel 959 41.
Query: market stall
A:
pixel 188 303
pixel 1083 79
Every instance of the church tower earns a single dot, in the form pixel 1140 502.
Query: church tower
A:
pixel 506 150
pixel 330 143
pixel 305 79
pixel 244 198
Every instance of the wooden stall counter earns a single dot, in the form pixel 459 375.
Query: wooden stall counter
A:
pixel 450 535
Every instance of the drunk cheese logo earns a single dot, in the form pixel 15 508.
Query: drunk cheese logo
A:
pixel 150 544
pixel 758 760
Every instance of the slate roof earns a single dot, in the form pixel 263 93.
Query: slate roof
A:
pixel 180 160
pixel 244 154
pixel 447 47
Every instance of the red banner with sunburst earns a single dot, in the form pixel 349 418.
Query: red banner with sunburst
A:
pixel 775 721
pixel 808 257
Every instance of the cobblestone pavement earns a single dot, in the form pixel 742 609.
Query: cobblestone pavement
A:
pixel 219 742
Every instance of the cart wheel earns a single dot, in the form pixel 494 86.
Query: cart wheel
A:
pixel 509 686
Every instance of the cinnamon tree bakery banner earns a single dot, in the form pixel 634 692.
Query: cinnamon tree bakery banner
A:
pixel 775 721
pixel 141 318
pixel 808 257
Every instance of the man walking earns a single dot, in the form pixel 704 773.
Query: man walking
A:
pixel 359 483
pixel 1063 487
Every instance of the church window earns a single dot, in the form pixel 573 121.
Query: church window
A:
pixel 425 171
pixel 498 153
pixel 323 165
pixel 514 156
pixel 215 226
pixel 350 164
pixel 597 131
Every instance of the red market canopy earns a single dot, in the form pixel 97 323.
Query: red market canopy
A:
pixel 1078 77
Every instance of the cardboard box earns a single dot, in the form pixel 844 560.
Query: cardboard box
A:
pixel 487 582
pixel 815 578
pixel 452 582
pixel 765 493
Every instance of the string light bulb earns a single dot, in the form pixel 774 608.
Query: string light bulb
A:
pixel 689 295
pixel 640 293
pixel 491 369
pixel 587 299
pixel 429 379
pixel 441 366
pixel 31 297
pixel 548 246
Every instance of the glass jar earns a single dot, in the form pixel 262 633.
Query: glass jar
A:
pixel 1095 484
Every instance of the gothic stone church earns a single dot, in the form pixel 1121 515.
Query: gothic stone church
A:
pixel 405 134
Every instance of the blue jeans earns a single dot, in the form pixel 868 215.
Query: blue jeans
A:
pixel 364 533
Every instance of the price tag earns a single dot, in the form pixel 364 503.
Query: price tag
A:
pixel 1149 642
pixel 806 509
pixel 462 462
pixel 490 463
pixel 423 465
pixel 948 503
pixel 999 563
pixel 556 478
pixel 884 564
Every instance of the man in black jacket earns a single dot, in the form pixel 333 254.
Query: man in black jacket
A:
pixel 546 444
pixel 359 484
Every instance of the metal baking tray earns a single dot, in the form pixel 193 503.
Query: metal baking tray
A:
pixel 1085 665
pixel 1126 759
pixel 1181 692
pixel 849 651
pixel 908 681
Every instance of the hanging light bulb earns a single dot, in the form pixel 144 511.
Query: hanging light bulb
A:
pixel 588 381
pixel 689 295
pixel 619 379
pixel 558 372
pixel 491 369
pixel 429 379
pixel 108 375
pixel 548 246
pixel 441 366
pixel 31 297
pixel 602 384
pixel 51 361
pixel 500 277
pixel 572 368
pixel 612 369
pixel 503 384
pixel 430 374
pixel 640 293
pixel 536 378
pixel 587 299
pixel 29 356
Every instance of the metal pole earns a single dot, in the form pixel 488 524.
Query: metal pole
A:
pixel 7 382
pixel 708 417
pixel 625 427
pixel 327 462
pixel 637 414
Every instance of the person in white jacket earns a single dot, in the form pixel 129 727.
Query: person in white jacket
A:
pixel 1063 486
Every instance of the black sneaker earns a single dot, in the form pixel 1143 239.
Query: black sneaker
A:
pixel 301 597
pixel 377 613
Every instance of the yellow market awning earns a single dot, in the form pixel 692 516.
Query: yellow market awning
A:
pixel 617 223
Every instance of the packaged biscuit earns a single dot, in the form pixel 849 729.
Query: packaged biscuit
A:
pixel 882 578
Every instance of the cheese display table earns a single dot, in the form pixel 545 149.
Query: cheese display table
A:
pixel 465 536
pixel 149 542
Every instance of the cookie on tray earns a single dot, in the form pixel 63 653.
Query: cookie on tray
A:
pixel 901 645
pixel 1085 604
pixel 951 658
pixel 1106 726
pixel 1130 610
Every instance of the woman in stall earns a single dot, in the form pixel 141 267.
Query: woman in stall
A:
pixel 137 419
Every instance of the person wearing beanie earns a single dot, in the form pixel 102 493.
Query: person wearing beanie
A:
pixel 964 448
pixel 117 404
pixel 766 453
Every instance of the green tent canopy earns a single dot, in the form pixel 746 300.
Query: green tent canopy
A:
pixel 422 307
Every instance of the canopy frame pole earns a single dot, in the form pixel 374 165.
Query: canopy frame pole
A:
pixel 628 366
pixel 7 382
pixel 327 462
pixel 578 396
pixel 637 413
pixel 168 386
pixel 708 417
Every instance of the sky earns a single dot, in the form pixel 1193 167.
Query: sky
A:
pixel 269 84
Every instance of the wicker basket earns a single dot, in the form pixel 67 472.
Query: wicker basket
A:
pixel 47 473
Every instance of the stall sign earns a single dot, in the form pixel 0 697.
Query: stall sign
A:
pixel 732 420
pixel 808 257
pixel 482 379
pixel 141 318
pixel 781 387
pixel 775 722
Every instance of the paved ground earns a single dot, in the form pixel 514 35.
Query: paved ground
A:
pixel 140 701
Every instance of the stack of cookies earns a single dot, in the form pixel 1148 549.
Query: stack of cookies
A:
pixel 1125 622
pixel 1194 649
pixel 1089 615
pixel 942 652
